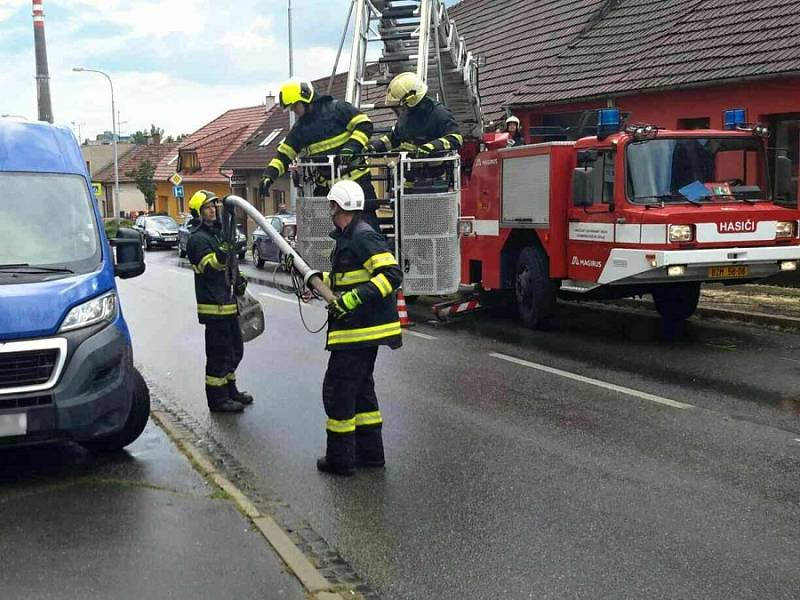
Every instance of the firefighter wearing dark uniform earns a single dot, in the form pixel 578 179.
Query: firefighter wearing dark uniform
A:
pixel 514 134
pixel 365 277
pixel 425 128
pixel 216 305
pixel 325 127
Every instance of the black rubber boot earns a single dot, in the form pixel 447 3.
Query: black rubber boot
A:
pixel 237 396
pixel 228 406
pixel 326 467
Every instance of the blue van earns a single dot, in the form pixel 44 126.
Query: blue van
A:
pixel 66 362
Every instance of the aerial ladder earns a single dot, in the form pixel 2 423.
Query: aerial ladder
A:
pixel 417 36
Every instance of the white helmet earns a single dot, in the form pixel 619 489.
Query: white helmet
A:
pixel 512 119
pixel 347 194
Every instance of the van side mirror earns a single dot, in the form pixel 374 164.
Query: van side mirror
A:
pixel 130 256
pixel 783 178
pixel 582 186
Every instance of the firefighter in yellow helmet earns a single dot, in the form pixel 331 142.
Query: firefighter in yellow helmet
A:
pixel 514 134
pixel 365 276
pixel 425 128
pixel 325 126
pixel 216 304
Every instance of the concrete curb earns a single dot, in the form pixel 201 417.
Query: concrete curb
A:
pixel 704 312
pixel 310 578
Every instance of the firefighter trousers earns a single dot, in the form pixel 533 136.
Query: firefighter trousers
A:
pixel 224 351
pixel 354 420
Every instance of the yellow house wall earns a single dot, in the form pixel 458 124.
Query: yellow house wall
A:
pixel 164 189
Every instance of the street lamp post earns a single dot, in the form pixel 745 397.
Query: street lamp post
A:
pixel 115 195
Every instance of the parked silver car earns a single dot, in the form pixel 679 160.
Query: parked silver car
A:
pixel 264 249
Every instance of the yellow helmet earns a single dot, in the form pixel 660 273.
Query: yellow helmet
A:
pixel 295 90
pixel 199 199
pixel 407 89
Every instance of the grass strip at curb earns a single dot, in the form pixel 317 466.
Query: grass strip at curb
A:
pixel 310 578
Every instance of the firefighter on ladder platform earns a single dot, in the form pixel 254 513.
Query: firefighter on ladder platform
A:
pixel 325 126
pixel 365 276
pixel 425 129
pixel 216 304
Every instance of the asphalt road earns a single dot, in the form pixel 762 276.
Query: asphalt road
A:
pixel 597 461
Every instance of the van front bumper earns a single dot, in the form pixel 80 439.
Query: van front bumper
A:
pixel 91 397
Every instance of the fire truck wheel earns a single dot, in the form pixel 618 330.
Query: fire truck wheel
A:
pixel 535 291
pixel 677 302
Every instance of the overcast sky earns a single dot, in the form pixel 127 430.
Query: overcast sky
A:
pixel 177 64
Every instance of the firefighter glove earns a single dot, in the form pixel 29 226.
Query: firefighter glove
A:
pixel 346 157
pixel 225 247
pixel 241 284
pixel 266 183
pixel 344 305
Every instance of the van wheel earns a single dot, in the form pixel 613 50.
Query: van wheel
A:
pixel 678 301
pixel 257 258
pixel 535 291
pixel 134 424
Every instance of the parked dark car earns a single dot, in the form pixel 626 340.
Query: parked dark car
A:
pixel 159 230
pixel 183 239
pixel 264 249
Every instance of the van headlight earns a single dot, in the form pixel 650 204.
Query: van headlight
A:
pixel 681 233
pixel 102 308
pixel 784 230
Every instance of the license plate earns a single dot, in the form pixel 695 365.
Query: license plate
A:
pixel 725 272
pixel 11 425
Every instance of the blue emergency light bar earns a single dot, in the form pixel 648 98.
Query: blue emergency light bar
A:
pixel 608 121
pixel 735 118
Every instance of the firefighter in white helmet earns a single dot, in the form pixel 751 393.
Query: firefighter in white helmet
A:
pixel 365 277
pixel 514 134
pixel 425 128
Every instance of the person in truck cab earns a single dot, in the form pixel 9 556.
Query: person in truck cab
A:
pixel 216 305
pixel 425 129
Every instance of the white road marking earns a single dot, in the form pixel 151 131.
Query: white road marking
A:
pixel 789 359
pixel 590 381
pixel 797 439
pixel 424 336
pixel 182 272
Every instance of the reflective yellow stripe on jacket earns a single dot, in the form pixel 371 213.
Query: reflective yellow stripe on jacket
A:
pixel 217 310
pixel 352 277
pixel 384 259
pixel 365 334
pixel 369 418
pixel 209 260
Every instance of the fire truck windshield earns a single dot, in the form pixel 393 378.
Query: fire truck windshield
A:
pixel 697 170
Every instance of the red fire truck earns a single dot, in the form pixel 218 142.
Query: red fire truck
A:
pixel 626 213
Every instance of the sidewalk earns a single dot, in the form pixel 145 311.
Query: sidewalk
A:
pixel 131 525
pixel 766 305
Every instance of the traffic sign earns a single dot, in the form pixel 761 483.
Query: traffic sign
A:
pixel 177 191
pixel 238 180
pixel 98 189
pixel 176 179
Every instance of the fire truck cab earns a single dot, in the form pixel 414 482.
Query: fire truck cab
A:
pixel 626 213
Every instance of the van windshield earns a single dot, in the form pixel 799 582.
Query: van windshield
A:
pixel 47 222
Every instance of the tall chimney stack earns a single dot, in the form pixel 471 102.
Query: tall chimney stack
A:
pixel 42 74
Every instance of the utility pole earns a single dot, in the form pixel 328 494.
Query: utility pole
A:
pixel 42 74
pixel 292 190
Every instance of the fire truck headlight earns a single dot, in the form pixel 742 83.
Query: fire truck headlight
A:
pixel 681 233
pixel 788 265
pixel 466 226
pixel 676 270
pixel 784 230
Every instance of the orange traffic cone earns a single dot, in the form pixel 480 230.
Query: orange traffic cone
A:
pixel 402 310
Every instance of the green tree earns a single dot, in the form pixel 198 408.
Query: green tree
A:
pixel 140 137
pixel 143 176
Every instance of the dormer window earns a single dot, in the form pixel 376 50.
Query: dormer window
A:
pixel 188 161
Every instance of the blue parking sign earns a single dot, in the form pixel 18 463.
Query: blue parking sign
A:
pixel 177 191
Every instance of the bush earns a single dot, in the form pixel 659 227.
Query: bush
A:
pixel 112 225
